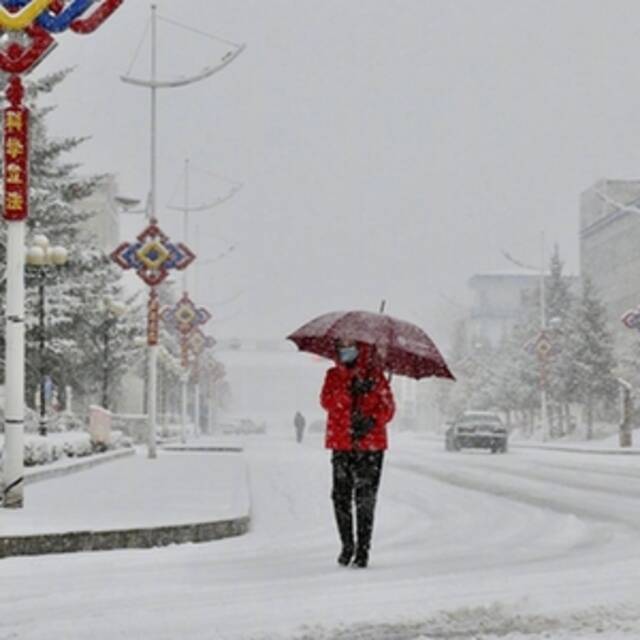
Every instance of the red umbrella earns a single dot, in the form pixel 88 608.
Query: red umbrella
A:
pixel 404 348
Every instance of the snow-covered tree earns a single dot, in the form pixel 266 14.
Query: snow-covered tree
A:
pixel 591 350
pixel 560 366
pixel 75 293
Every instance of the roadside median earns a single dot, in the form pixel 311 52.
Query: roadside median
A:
pixel 182 496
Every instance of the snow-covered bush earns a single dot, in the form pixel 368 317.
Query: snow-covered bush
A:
pixel 40 450
pixel 119 440
pixel 82 447
pixel 36 451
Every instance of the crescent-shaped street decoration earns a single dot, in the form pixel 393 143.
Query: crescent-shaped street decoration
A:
pixel 214 203
pixel 227 59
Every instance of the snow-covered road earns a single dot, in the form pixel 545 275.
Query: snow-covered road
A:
pixel 531 544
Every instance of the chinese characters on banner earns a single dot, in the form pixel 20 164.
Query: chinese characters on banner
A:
pixel 16 167
pixel 153 319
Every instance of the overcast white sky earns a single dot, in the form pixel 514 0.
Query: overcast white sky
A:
pixel 389 148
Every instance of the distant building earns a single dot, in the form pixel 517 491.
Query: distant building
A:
pixel 497 304
pixel 102 227
pixel 610 246
pixel 270 380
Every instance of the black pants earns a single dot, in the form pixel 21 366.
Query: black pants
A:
pixel 356 478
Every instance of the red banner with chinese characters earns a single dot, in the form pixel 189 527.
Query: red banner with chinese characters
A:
pixel 153 319
pixel 16 163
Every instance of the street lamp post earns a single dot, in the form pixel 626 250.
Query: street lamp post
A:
pixel 541 340
pixel 41 255
pixel 187 209
pixel 113 309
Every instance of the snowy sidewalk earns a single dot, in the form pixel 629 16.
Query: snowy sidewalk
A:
pixel 609 445
pixel 132 502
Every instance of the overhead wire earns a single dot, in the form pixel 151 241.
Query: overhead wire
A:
pixel 138 49
pixel 204 34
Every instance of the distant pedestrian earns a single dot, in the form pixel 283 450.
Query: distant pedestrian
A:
pixel 359 403
pixel 299 423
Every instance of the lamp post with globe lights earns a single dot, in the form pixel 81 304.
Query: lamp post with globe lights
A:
pixel 41 255
pixel 113 309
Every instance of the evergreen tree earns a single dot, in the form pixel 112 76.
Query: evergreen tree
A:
pixel 75 293
pixel 560 365
pixel 590 344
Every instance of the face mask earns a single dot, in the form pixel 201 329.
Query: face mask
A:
pixel 347 354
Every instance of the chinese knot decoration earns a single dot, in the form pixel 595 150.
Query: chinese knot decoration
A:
pixel 631 319
pixel 38 19
pixel 184 317
pixel 540 345
pixel 153 255
pixel 198 342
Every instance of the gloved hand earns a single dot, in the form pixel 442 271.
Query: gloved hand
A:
pixel 361 425
pixel 360 386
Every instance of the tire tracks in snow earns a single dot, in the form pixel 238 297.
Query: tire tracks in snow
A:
pixel 523 487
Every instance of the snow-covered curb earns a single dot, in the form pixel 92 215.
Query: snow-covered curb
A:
pixel 104 512
pixel 217 448
pixel 142 538
pixel 575 449
pixel 68 466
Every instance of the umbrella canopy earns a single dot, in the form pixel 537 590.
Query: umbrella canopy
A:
pixel 404 348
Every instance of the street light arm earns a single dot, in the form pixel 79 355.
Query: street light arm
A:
pixel 512 260
pixel 628 208
pixel 202 263
pixel 207 72
pixel 232 192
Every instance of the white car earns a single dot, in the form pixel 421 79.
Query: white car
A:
pixel 477 430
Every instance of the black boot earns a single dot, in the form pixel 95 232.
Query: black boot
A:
pixel 344 521
pixel 365 507
pixel 362 559
pixel 342 496
pixel 366 489
pixel 345 555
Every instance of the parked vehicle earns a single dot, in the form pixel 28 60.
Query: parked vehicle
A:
pixel 477 430
pixel 318 426
pixel 242 426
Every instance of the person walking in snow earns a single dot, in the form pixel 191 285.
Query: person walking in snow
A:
pixel 299 424
pixel 359 404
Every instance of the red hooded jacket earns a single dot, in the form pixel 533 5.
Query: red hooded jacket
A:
pixel 336 398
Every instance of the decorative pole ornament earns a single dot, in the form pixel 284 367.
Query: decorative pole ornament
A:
pixel 152 256
pixel 26 27
pixel 198 342
pixel 20 19
pixel 56 16
pixel 631 319
pixel 16 154
pixel 184 317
